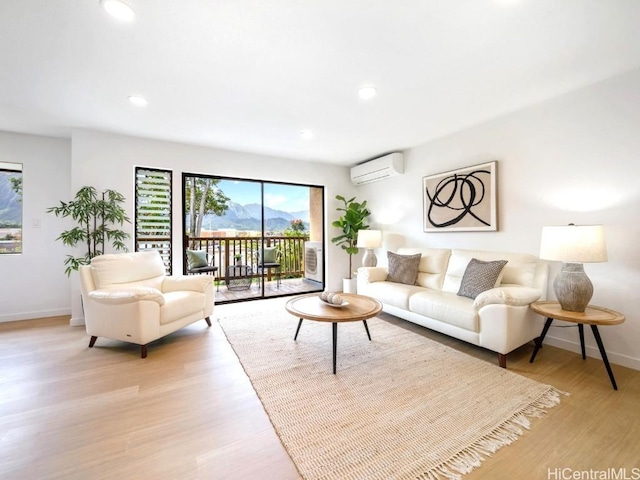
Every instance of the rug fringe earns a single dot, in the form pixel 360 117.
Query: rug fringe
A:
pixel 503 435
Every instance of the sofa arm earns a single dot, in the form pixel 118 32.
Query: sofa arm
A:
pixel 515 296
pixel 117 296
pixel 372 274
pixel 196 283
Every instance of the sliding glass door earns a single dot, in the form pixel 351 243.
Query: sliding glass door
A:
pixel 264 238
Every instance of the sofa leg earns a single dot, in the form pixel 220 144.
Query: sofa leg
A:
pixel 143 351
pixel 208 320
pixel 92 342
pixel 502 360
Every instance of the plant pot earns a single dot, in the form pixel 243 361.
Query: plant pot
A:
pixel 349 285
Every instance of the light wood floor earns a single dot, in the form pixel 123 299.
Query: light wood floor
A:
pixel 188 411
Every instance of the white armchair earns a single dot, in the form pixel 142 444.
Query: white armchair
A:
pixel 128 297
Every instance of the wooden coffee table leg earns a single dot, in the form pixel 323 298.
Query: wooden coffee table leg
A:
pixel 297 330
pixel 367 329
pixel 335 344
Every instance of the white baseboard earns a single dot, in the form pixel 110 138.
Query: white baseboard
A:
pixel 33 315
pixel 77 322
pixel 592 351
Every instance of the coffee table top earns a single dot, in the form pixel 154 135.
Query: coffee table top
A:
pixel 310 307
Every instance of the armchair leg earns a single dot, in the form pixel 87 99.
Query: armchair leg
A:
pixel 143 351
pixel 208 320
pixel 502 360
pixel 92 342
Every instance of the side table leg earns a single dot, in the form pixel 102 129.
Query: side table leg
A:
pixel 581 332
pixel 335 342
pixel 540 339
pixel 297 330
pixel 596 334
pixel 367 329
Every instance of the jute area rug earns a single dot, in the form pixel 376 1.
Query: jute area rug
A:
pixel 400 407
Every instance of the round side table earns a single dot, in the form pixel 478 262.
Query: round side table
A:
pixel 592 316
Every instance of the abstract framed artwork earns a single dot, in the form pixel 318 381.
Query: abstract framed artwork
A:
pixel 461 200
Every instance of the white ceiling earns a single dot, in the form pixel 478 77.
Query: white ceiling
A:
pixel 248 75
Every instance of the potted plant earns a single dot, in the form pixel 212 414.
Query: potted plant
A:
pixel 352 219
pixel 237 259
pixel 97 217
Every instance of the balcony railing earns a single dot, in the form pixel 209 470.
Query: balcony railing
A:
pixel 224 251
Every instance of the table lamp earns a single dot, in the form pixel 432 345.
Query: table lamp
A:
pixel 573 245
pixel 369 239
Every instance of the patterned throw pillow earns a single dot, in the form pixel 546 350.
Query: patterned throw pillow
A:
pixel 403 268
pixel 197 258
pixel 480 276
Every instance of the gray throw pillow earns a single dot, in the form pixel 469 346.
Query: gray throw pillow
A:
pixel 403 268
pixel 480 276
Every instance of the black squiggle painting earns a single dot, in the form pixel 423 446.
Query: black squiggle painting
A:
pixel 461 200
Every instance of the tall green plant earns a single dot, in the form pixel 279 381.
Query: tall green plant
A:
pixel 350 222
pixel 97 217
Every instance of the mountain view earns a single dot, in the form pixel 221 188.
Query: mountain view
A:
pixel 10 207
pixel 247 217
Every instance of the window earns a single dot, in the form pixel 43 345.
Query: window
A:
pixel 153 212
pixel 10 207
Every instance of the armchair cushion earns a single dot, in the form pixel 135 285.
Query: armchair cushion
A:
pixel 197 258
pixel 118 296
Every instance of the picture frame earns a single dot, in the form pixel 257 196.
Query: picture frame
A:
pixel 462 200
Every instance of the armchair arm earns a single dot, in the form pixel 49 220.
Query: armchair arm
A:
pixel 515 296
pixel 197 283
pixel 117 296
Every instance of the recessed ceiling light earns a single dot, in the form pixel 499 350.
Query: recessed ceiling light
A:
pixel 367 92
pixel 306 134
pixel 118 10
pixel 137 100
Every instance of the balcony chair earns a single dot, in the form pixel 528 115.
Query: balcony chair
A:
pixel 198 262
pixel 128 297
pixel 268 258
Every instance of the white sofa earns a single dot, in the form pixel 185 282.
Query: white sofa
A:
pixel 498 319
pixel 128 297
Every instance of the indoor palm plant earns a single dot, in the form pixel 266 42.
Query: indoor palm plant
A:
pixel 98 217
pixel 352 219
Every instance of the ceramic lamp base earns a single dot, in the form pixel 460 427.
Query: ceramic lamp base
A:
pixel 369 259
pixel 573 288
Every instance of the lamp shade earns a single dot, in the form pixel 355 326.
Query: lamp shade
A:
pixel 369 239
pixel 573 244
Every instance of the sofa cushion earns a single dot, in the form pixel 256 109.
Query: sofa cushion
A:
pixel 403 268
pixel 389 293
pixel 446 307
pixel 480 276
pixel 432 266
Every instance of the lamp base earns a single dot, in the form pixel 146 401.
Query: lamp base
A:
pixel 369 259
pixel 573 288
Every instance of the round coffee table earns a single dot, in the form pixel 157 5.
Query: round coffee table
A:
pixel 310 307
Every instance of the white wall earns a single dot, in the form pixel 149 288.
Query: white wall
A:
pixel 572 159
pixel 34 283
pixel 108 161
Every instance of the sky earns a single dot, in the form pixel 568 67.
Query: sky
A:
pixel 289 198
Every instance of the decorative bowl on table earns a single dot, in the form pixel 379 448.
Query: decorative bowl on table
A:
pixel 333 299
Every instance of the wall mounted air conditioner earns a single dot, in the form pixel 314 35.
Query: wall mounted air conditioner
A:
pixel 313 261
pixel 378 169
